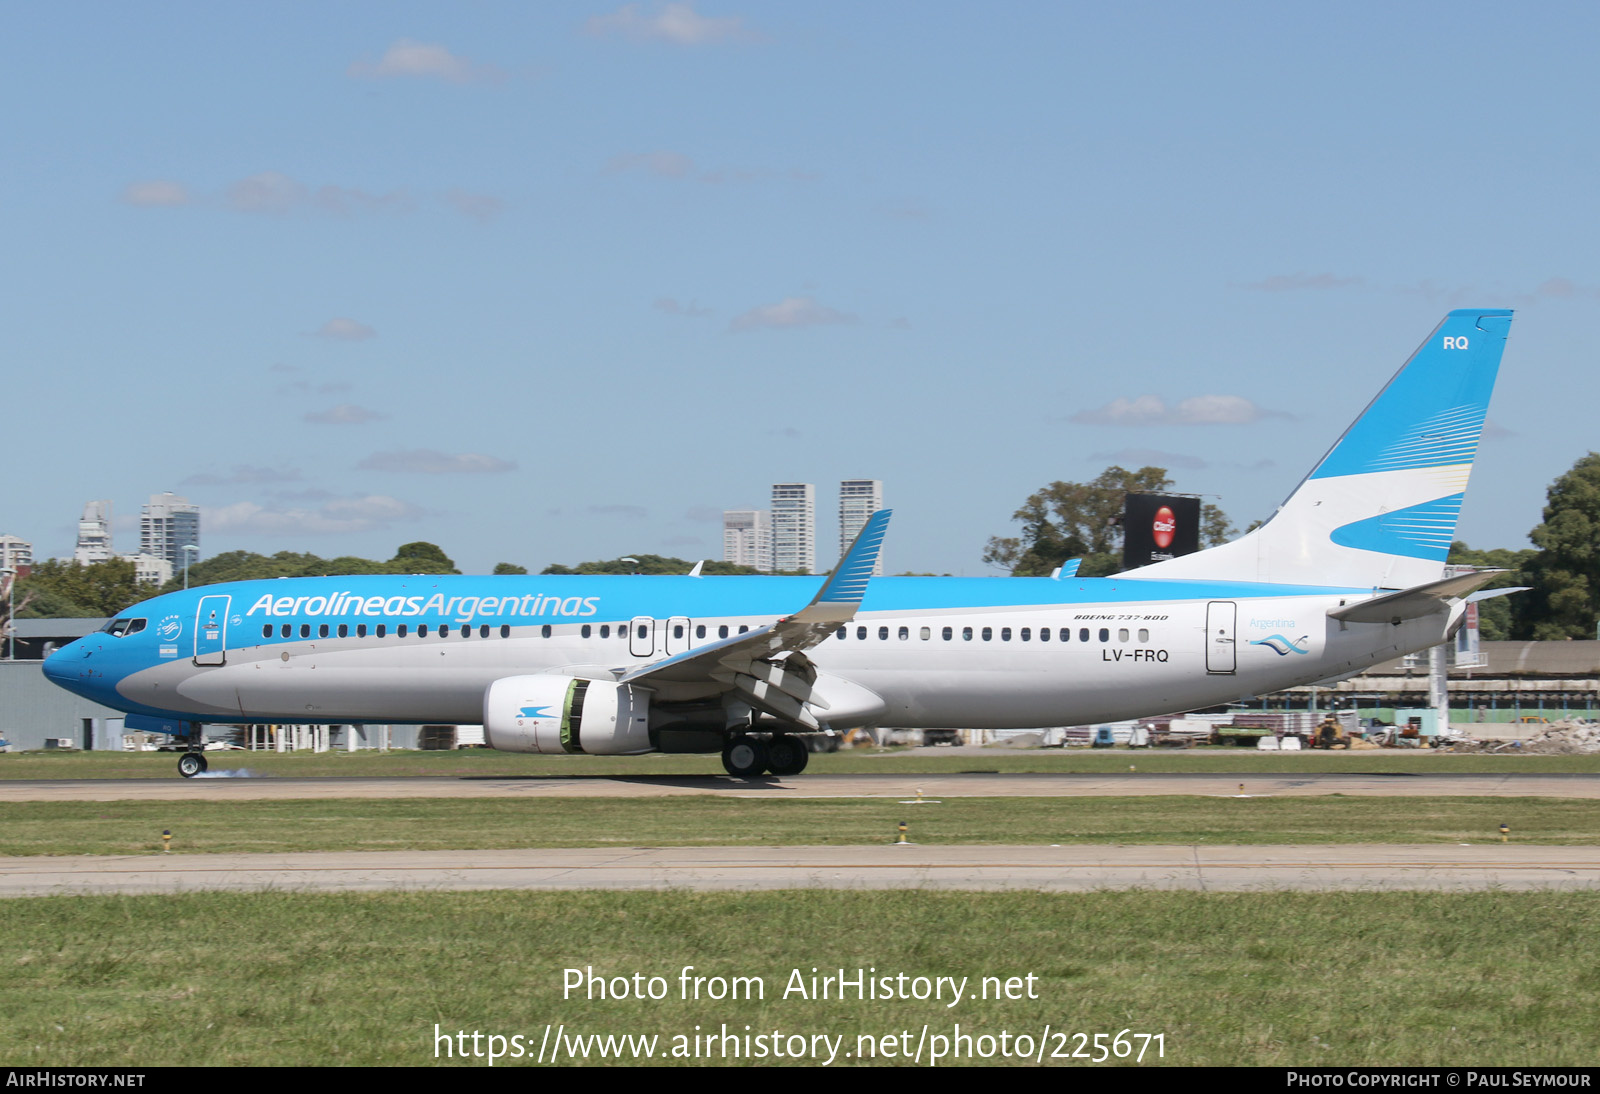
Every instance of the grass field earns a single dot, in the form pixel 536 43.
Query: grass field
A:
pixel 1225 979
pixel 106 828
pixel 485 762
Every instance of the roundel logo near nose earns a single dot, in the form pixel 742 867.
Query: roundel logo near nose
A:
pixel 169 628
pixel 1164 527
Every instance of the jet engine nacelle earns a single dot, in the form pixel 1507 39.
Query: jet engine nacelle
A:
pixel 547 713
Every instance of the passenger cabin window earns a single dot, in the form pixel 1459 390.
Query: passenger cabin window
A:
pixel 883 634
pixel 905 633
pixel 400 630
pixel 948 633
pixel 988 633
pixel 1066 634
pixel 1044 634
pixel 1144 635
pixel 700 630
pixel 926 634
pixel 505 630
pixel 305 630
pixel 743 628
pixel 322 631
pixel 1005 634
pixel 1105 634
pixel 383 630
pixel 466 630
pixel 1083 634
pixel 545 631
pixel 284 631
pixel 266 631
pixel 483 631
pixel 861 633
pixel 1027 633
pixel 1122 634
pixel 605 630
pixel 585 632
pixel 344 630
pixel 966 634
pixel 844 632
pixel 361 630
pixel 422 630
pixel 722 631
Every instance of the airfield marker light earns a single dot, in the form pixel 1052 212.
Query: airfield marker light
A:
pixel 1505 831
pixel 1241 789
pixel 902 838
pixel 166 841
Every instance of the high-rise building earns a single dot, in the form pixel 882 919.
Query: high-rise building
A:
pixel 747 538
pixel 858 500
pixel 15 553
pixel 94 534
pixel 167 525
pixel 794 526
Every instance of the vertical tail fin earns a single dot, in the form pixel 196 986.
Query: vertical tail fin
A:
pixel 1380 509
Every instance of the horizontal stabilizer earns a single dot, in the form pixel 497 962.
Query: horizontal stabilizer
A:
pixel 1436 596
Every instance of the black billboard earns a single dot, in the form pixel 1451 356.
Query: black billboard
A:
pixel 1157 527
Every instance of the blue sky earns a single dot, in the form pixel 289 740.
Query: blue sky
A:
pixel 562 281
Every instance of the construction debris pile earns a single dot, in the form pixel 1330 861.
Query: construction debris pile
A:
pixel 1555 739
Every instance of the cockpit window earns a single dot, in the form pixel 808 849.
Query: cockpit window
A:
pixel 120 627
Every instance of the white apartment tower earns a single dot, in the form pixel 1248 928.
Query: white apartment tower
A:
pixel 794 526
pixel 858 500
pixel 15 553
pixel 747 538
pixel 167 525
pixel 94 534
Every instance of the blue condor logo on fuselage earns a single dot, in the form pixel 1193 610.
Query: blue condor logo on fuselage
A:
pixel 464 609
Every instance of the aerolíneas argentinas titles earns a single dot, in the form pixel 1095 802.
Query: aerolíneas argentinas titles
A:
pixel 1349 572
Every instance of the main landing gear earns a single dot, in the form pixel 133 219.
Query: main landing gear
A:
pixel 191 764
pixel 747 757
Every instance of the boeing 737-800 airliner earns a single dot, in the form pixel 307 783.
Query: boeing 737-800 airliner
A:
pixel 1349 572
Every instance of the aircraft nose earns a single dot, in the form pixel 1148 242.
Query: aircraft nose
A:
pixel 66 665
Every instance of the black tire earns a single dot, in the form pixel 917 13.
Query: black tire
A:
pixel 744 757
pixel 191 764
pixel 787 756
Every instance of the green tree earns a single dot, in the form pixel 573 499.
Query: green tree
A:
pixel 1084 520
pixel 1505 617
pixel 99 588
pixel 1565 574
pixel 647 564
pixel 422 558
pixel 509 568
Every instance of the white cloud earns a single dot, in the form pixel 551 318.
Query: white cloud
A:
pixel 276 194
pixel 156 193
pixel 1196 410
pixel 406 58
pixel 345 414
pixel 480 207
pixel 793 311
pixel 677 23
pixel 344 330
pixel 425 461
pixel 337 515
pixel 672 307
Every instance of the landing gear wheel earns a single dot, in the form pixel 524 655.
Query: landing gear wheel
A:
pixel 787 756
pixel 745 757
pixel 191 764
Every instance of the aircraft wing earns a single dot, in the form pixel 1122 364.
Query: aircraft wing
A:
pixel 767 666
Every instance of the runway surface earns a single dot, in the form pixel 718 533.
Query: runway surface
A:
pixel 967 785
pixel 1062 869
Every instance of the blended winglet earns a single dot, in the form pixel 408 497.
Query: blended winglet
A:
pixel 841 594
